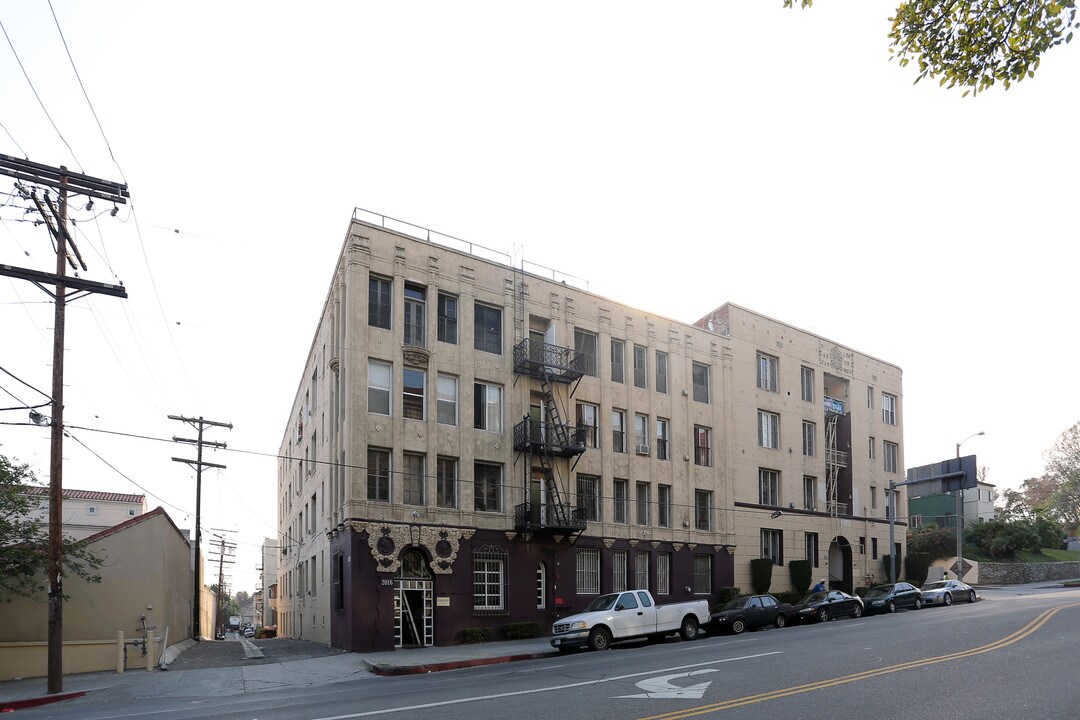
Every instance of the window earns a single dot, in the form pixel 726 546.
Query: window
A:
pixel 642 503
pixel 662 449
pixel 378 475
pixel 413 387
pixel 700 377
pixel 487 490
pixel 873 498
pixel 378 387
pixel 587 420
pixel 446 399
pixel 618 571
pixel 809 431
pixel 641 433
pixel 446 470
pixel 771 546
pixel 489 580
pixel 541 586
pixel 622 500
pixel 641 571
pixel 131 513
pixel 766 372
pixel 618 361
pixel 588 572
pixel 663 505
pixel 807 375
pixel 379 307
pixel 415 312
pixel 702 574
pixel 641 366
pixel 413 479
pixel 768 430
pixel 487 407
pixel 337 594
pixel 585 345
pixel 703 509
pixel 91 510
pixel 812 549
pixel 702 446
pixel 873 548
pixel 870 397
pixel 588 496
pixel 891 451
pixel 618 431
pixel 487 328
pixel 873 452
pixel 448 316
pixel 661 371
pixel 768 487
pixel 888 409
pixel 809 491
pixel 663 573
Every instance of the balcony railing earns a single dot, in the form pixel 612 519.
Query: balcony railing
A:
pixel 836 508
pixel 836 458
pixel 559 363
pixel 560 440
pixel 832 405
pixel 534 517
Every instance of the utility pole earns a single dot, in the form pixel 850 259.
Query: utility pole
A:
pixel 224 549
pixel 199 424
pixel 55 219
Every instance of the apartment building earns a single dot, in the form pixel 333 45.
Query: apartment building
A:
pixel 475 444
pixel 87 512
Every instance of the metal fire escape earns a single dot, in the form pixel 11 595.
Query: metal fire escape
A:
pixel 835 460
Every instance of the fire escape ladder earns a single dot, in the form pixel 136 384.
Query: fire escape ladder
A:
pixel 554 425
pixel 832 467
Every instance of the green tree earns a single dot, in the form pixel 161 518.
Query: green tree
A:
pixel 242 598
pixel 1063 474
pixel 976 43
pixel 24 541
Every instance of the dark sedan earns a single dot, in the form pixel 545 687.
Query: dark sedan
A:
pixel 824 606
pixel 891 597
pixel 750 611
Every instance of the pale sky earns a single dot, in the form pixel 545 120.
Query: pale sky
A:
pixel 676 157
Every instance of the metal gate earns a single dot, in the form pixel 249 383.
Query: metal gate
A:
pixel 414 603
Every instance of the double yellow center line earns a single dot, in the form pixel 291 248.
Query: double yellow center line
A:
pixel 865 675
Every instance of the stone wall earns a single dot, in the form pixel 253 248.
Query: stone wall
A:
pixel 1020 573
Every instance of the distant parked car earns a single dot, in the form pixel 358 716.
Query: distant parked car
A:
pixel 824 606
pixel 249 632
pixel 750 611
pixel 892 597
pixel 944 592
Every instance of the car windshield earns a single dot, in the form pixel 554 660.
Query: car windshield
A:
pixel 814 597
pixel 604 602
pixel 935 585
pixel 879 591
pixel 737 603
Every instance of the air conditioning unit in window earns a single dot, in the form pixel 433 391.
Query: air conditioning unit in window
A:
pixel 642 449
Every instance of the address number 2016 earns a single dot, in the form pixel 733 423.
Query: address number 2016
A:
pixel 386 582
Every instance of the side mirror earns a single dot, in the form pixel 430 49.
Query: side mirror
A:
pixel 620 606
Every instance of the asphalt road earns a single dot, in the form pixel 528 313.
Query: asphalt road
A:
pixel 230 653
pixel 1008 656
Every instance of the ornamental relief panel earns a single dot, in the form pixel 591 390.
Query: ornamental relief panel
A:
pixel 387 540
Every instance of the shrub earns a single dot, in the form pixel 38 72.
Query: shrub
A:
pixel 473 636
pixel 937 543
pixel 723 597
pixel 885 560
pixel 801 574
pixel 790 596
pixel 761 575
pixel 862 590
pixel 521 630
pixel 916 567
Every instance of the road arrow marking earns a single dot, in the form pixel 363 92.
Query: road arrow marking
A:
pixel 661 687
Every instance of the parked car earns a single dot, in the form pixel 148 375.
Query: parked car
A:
pixel 944 592
pixel 249 632
pixel 892 597
pixel 824 606
pixel 750 611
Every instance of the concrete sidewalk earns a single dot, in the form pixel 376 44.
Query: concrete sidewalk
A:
pixel 227 681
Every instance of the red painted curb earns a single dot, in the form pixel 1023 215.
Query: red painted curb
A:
pixel 12 705
pixel 393 670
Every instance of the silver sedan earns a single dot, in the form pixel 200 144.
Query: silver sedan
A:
pixel 945 592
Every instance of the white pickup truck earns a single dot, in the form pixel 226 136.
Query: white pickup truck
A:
pixel 626 615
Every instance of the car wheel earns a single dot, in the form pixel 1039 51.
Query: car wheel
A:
pixel 737 626
pixel 857 612
pixel 600 639
pixel 971 596
pixel 781 621
pixel 689 628
pixel 892 606
pixel 823 615
pixel 947 599
pixel 918 602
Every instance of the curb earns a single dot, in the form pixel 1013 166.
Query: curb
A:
pixel 395 670
pixel 13 705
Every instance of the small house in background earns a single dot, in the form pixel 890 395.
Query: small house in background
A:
pixel 86 512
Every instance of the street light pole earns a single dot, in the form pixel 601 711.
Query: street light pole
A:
pixel 960 515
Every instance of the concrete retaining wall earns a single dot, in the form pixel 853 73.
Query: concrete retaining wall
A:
pixel 1020 573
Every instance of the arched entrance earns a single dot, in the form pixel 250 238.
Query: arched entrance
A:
pixel 840 573
pixel 413 602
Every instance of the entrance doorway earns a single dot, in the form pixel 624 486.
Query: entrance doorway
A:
pixel 840 574
pixel 413 602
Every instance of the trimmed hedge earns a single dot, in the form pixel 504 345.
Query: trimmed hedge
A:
pixel 917 567
pixel 473 636
pixel 790 596
pixel 885 568
pixel 761 575
pixel 802 573
pixel 521 630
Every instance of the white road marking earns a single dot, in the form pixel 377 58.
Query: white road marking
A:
pixel 458 701
pixel 661 687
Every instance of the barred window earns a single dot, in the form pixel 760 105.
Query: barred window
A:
pixel 702 574
pixel 663 573
pixel 641 571
pixel 618 571
pixel 588 572
pixel 489 581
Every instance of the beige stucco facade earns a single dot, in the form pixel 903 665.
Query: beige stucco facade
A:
pixel 87 512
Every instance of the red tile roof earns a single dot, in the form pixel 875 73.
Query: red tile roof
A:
pixel 88 494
